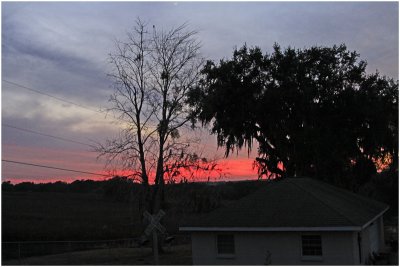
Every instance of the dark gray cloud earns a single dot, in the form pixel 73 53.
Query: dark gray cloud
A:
pixel 369 28
pixel 36 61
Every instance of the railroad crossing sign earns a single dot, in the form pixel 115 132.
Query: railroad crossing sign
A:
pixel 154 222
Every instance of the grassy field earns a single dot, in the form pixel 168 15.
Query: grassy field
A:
pixel 65 216
pixel 176 255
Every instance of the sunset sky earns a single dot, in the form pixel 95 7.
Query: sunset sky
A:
pixel 61 49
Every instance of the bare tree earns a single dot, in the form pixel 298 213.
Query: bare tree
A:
pixel 153 72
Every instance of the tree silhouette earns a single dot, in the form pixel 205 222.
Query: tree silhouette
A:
pixel 152 73
pixel 312 112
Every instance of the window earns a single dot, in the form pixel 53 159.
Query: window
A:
pixel 311 245
pixel 225 244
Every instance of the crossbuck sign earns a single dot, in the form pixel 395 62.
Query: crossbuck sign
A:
pixel 154 224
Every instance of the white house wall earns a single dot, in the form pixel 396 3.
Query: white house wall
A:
pixel 372 239
pixel 251 248
pixel 356 249
pixel 365 248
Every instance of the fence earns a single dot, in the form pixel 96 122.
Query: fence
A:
pixel 19 250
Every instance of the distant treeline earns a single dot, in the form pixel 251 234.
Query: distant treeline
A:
pixel 78 186
pixel 119 188
pixel 117 183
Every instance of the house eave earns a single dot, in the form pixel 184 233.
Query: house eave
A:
pixel 269 229
pixel 280 229
pixel 376 217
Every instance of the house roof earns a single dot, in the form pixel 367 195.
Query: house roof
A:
pixel 293 203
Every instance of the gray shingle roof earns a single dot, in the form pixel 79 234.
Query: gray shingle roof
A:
pixel 294 202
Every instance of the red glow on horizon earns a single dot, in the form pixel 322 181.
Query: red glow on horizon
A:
pixel 231 170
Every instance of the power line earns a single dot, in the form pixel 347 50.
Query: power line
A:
pixel 50 167
pixel 60 99
pixel 46 94
pixel 47 135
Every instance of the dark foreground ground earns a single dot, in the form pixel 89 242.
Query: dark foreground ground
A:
pixel 175 255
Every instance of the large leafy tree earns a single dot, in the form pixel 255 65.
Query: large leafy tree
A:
pixel 312 112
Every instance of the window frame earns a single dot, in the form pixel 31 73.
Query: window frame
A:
pixel 217 242
pixel 316 257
